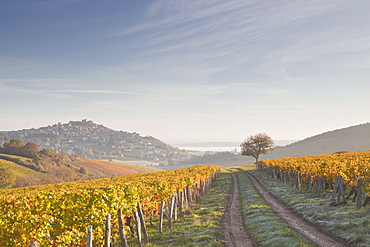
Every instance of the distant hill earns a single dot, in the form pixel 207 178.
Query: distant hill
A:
pixel 354 138
pixel 350 139
pixel 62 168
pixel 86 139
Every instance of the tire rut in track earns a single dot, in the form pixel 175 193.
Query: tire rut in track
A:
pixel 308 230
pixel 234 233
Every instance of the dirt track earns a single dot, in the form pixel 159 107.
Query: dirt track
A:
pixel 308 230
pixel 234 232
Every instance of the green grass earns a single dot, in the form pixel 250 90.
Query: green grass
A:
pixel 266 228
pixel 346 221
pixel 201 225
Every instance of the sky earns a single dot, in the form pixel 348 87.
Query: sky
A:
pixel 186 70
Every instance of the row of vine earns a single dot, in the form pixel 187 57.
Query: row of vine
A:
pixel 59 214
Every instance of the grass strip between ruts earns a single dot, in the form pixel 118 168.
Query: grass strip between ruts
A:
pixel 265 227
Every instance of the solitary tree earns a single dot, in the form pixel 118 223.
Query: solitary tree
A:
pixel 255 145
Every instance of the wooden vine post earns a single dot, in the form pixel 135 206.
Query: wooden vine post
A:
pixel 138 229
pixel 107 231
pixel 209 183
pixel 339 189
pixel 188 193
pixel 320 186
pixel 122 236
pixel 180 202
pixel 89 236
pixel 142 222
pixel 335 189
pixel 309 182
pixel 274 173
pixel 195 192
pixel 161 212
pixel 359 192
pixel 323 186
pixel 202 188
pixel 185 199
pixel 170 215
pixel 175 206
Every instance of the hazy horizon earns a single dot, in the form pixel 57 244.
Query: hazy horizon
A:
pixel 182 143
pixel 216 144
pixel 187 71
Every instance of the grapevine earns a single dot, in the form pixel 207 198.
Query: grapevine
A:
pixel 348 165
pixel 58 214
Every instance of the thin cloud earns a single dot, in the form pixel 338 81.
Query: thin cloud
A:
pixel 95 92
pixel 238 66
pixel 192 34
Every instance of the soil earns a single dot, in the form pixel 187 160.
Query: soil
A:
pixel 235 235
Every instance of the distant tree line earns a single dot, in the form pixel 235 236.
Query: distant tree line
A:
pixel 211 157
pixel 20 148
pixel 52 166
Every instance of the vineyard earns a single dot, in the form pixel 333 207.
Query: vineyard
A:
pixel 326 171
pixel 59 214
pixel 23 161
pixel 17 169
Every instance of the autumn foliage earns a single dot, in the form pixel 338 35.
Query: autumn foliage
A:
pixel 18 147
pixel 349 165
pixel 58 214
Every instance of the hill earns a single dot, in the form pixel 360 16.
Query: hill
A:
pixel 115 168
pixel 350 139
pixel 50 167
pixel 89 140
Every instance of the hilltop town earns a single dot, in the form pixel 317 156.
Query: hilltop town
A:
pixel 89 140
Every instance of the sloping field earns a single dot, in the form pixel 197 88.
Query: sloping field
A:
pixel 115 168
pixel 17 169
pixel 135 162
pixel 138 168
pixel 14 157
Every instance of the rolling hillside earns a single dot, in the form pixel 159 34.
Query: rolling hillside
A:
pixel 18 170
pixel 87 139
pixel 350 139
pixel 114 168
pixel 72 169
